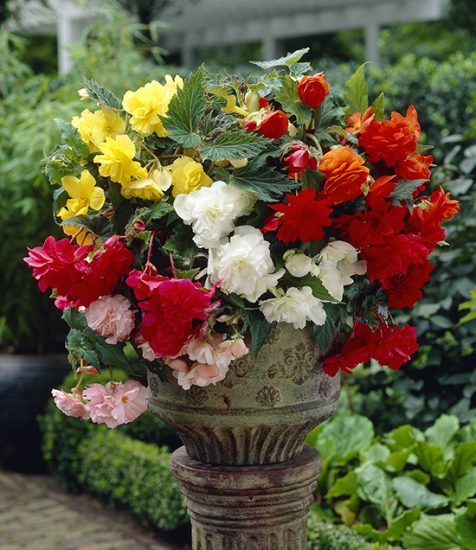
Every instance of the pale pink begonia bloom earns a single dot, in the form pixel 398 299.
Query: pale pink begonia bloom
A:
pixel 212 355
pixel 147 352
pixel 200 374
pixel 116 403
pixel 70 405
pixel 111 317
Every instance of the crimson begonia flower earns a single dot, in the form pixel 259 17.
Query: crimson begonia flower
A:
pixel 391 140
pixel 273 125
pixel 426 218
pixel 299 160
pixel 302 217
pixel 391 346
pixel 415 167
pixel 405 290
pixel 169 313
pixel 395 256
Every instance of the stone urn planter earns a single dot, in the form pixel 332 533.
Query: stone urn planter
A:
pixel 245 471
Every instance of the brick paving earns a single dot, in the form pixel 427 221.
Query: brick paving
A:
pixel 36 514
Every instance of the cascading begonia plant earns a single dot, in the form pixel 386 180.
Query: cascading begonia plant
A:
pixel 201 212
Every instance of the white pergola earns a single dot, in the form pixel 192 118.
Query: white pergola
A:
pixel 209 23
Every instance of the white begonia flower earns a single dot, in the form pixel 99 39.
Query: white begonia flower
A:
pixel 296 307
pixel 211 211
pixel 298 264
pixel 338 262
pixel 244 265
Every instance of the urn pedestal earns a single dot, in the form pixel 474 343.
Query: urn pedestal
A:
pixel 244 439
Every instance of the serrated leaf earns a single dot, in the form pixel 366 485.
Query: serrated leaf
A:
pixel 181 242
pixel 287 95
pixel 285 61
pixel 259 329
pixel 299 69
pixel 60 196
pixel 267 184
pixel 233 145
pixel 101 95
pixel 377 107
pixel 356 95
pixel 328 114
pixel 70 136
pixel 405 189
pixel 186 109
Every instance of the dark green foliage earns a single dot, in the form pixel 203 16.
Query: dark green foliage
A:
pixel 326 536
pixel 131 474
pixel 385 487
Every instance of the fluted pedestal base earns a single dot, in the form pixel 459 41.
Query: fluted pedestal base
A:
pixel 248 507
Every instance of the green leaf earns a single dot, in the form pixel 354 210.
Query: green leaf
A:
pixel 442 430
pixel 344 486
pixel 433 532
pixel 186 109
pixel 60 196
pixel 374 486
pixel 377 107
pixel 376 453
pixel 403 437
pixel 430 458
pixel 155 212
pixel 101 95
pixel 404 190
pixel 96 225
pixel 327 332
pixel 299 69
pixel 465 487
pixel 233 145
pixel 466 526
pixel 396 461
pixel 265 182
pixel 181 242
pixel 356 95
pixel 287 95
pixel 315 284
pixel 344 436
pixel 285 61
pixel 70 136
pixel 396 529
pixel 259 329
pixel 463 460
pixel 413 494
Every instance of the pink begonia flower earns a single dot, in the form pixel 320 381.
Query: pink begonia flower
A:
pixel 111 317
pixel 70 405
pixel 212 355
pixel 147 352
pixel 200 374
pixel 116 403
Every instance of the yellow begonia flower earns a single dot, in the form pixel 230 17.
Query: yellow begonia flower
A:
pixel 147 104
pixel 83 195
pixel 151 188
pixel 187 176
pixel 231 106
pixel 116 160
pixel 95 127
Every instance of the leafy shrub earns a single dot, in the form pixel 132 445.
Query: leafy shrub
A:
pixel 123 471
pixel 382 486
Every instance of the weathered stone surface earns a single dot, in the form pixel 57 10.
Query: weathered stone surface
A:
pixel 261 412
pixel 248 507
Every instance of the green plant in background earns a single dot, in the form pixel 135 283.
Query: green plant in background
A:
pixel 28 324
pixel 407 486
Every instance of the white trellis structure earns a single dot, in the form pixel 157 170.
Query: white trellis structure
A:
pixel 209 23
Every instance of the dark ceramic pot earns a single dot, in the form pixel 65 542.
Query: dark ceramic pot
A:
pixel 25 386
pixel 262 411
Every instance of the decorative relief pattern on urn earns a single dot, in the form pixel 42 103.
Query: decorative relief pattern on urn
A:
pixel 298 364
pixel 268 396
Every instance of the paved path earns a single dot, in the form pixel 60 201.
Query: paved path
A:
pixel 36 514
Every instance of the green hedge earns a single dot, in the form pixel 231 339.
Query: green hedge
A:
pixel 124 472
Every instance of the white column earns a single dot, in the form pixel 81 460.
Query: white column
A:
pixel 372 51
pixel 70 29
pixel 271 47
